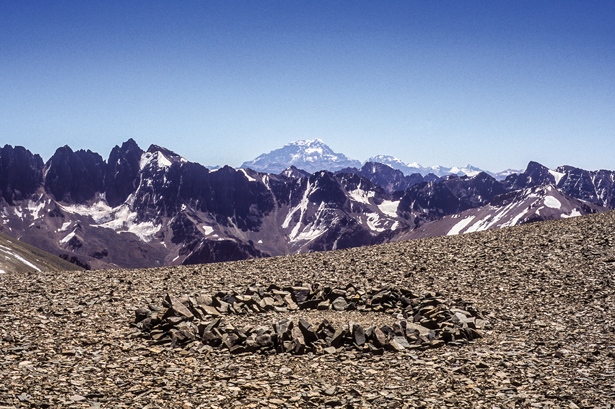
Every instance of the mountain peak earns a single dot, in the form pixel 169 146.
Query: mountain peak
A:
pixel 310 155
pixel 534 167
pixel 295 173
pixel 307 142
pixel 166 152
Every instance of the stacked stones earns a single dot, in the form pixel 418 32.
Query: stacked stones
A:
pixel 196 322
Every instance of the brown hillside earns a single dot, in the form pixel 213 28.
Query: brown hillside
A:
pixel 20 257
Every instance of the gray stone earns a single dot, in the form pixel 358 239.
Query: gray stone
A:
pixel 337 339
pixel 141 314
pixel 264 340
pixel 394 345
pixel 339 304
pixel 204 300
pixel 208 309
pixel 411 327
pixel 401 341
pixel 290 302
pixel 297 338
pixel 300 294
pixel 358 334
pixel 308 331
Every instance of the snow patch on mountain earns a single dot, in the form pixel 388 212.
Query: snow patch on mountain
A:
pixel 515 220
pixel 552 202
pixel 100 211
pixel 302 208
pixel 373 220
pixel 557 175
pixel 67 238
pixel 36 208
pixel 250 178
pixel 460 226
pixel 573 213
pixel 18 212
pixel 120 219
pixel 389 207
pixel 314 229
pixel 360 195
pixel 124 221
pixel 154 157
pixel 11 254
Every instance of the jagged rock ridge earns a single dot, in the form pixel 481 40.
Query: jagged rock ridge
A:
pixel 150 208
pixel 154 208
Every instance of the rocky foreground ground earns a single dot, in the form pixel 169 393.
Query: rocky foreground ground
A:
pixel 543 294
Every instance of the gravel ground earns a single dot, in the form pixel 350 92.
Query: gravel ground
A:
pixel 547 288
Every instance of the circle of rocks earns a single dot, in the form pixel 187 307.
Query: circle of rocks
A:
pixel 195 322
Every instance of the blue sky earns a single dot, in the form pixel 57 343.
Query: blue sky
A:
pixel 491 83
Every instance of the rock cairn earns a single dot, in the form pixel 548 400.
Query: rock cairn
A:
pixel 196 322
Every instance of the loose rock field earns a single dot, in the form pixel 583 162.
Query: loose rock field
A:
pixel 543 294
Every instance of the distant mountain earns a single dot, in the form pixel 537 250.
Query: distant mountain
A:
pixel 506 173
pixel 454 194
pixel 411 168
pixel 314 155
pixel 533 204
pixel 21 173
pixel 592 186
pixel 389 179
pixel 154 208
pixel 309 155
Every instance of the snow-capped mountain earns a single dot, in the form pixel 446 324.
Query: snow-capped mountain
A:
pixel 309 155
pixel 153 208
pixel 314 155
pixel 506 173
pixel 411 168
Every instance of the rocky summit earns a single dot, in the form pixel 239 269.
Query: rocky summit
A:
pixel 377 326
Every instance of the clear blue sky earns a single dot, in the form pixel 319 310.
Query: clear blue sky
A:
pixel 491 83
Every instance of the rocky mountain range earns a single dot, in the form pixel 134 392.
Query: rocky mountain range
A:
pixel 314 155
pixel 439 171
pixel 154 208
